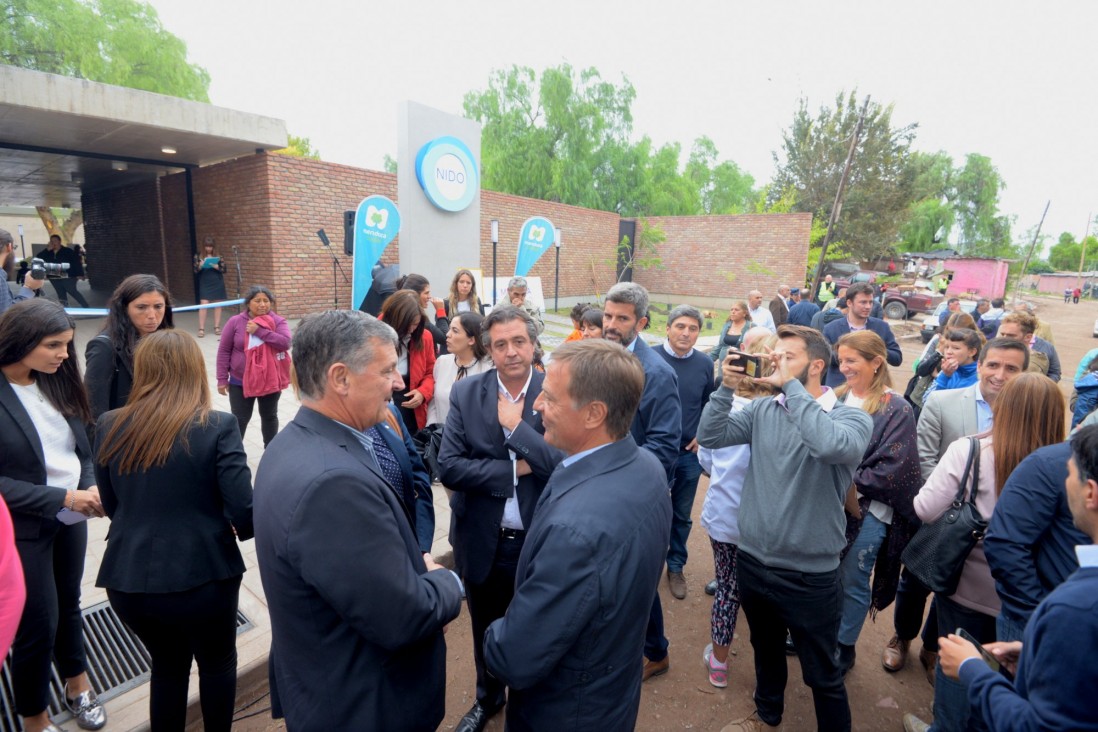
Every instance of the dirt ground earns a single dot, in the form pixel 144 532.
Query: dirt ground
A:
pixel 683 699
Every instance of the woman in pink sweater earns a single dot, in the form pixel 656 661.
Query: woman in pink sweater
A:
pixel 1029 413
pixel 257 326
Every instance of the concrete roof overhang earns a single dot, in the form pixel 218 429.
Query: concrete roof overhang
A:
pixel 61 136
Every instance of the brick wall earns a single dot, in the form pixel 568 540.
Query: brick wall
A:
pixel 270 207
pixel 708 260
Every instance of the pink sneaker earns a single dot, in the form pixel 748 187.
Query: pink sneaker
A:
pixel 718 672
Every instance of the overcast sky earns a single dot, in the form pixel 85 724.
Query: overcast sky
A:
pixel 1011 80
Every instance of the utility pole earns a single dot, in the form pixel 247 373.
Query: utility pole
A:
pixel 837 207
pixel 1029 254
pixel 1083 254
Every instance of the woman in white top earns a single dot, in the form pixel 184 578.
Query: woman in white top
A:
pixel 467 356
pixel 48 481
pixel 463 295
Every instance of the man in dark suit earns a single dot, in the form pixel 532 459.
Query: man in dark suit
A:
pixel 779 306
pixel 357 611
pixel 859 298
pixel 657 425
pixel 567 646
pixel 495 459
pixel 403 467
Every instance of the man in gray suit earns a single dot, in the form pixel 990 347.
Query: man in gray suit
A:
pixel 568 646
pixel 946 417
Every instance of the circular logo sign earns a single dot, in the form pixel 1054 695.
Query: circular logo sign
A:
pixel 447 173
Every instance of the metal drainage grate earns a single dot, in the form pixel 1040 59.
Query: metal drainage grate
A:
pixel 117 662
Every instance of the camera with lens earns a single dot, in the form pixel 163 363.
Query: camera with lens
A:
pixel 41 269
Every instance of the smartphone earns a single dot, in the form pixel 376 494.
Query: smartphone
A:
pixel 751 365
pixel 989 659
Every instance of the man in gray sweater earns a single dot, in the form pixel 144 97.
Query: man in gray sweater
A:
pixel 805 446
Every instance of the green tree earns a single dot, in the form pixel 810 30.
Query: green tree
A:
pixel 567 136
pixel 1065 253
pixel 811 160
pixel 722 187
pixel 119 42
pixel 298 147
pixel 930 215
pixel 982 229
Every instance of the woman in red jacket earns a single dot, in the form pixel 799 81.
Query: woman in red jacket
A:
pixel 416 357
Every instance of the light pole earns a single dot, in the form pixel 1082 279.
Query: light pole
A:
pixel 495 241
pixel 22 246
pixel 557 235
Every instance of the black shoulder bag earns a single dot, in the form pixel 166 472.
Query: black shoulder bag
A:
pixel 936 554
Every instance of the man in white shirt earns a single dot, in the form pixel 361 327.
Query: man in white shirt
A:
pixel 759 314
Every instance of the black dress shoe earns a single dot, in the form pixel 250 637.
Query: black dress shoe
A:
pixel 790 649
pixel 475 719
pixel 711 588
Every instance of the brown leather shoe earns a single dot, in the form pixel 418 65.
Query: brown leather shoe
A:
pixel 895 654
pixel 929 659
pixel 656 668
pixel 677 584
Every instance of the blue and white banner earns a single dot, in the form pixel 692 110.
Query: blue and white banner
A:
pixel 377 223
pixel 536 236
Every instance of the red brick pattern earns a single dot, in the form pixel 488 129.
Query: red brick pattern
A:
pixel 270 207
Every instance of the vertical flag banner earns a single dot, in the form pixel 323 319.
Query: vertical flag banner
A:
pixel 536 236
pixel 377 223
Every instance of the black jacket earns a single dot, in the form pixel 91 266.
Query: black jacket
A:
pixel 32 503
pixel 172 525
pixel 108 375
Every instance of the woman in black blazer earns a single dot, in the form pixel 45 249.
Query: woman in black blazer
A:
pixel 47 480
pixel 175 482
pixel 140 305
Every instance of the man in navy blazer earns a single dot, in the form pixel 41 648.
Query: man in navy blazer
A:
pixel 495 459
pixel 859 298
pixel 357 612
pixel 415 481
pixel 657 425
pixel 568 645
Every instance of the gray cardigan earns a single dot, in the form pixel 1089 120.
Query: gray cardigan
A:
pixel 803 460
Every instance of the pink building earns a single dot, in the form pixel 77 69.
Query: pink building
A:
pixel 978 276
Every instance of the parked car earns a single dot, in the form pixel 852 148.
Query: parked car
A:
pixel 899 305
pixel 931 322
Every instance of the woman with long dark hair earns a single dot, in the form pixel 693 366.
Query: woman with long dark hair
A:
pixel 440 325
pixel 880 514
pixel 416 357
pixel 240 378
pixel 140 305
pixel 48 483
pixel 175 482
pixel 1028 413
pixel 467 357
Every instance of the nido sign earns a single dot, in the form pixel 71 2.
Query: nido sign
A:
pixel 447 173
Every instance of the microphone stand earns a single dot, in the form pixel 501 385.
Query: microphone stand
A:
pixel 239 278
pixel 336 268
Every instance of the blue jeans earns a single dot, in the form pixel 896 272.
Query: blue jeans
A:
pixel 684 486
pixel 952 712
pixel 854 571
pixel 1009 628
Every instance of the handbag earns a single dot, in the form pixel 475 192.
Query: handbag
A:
pixel 936 554
pixel 428 441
